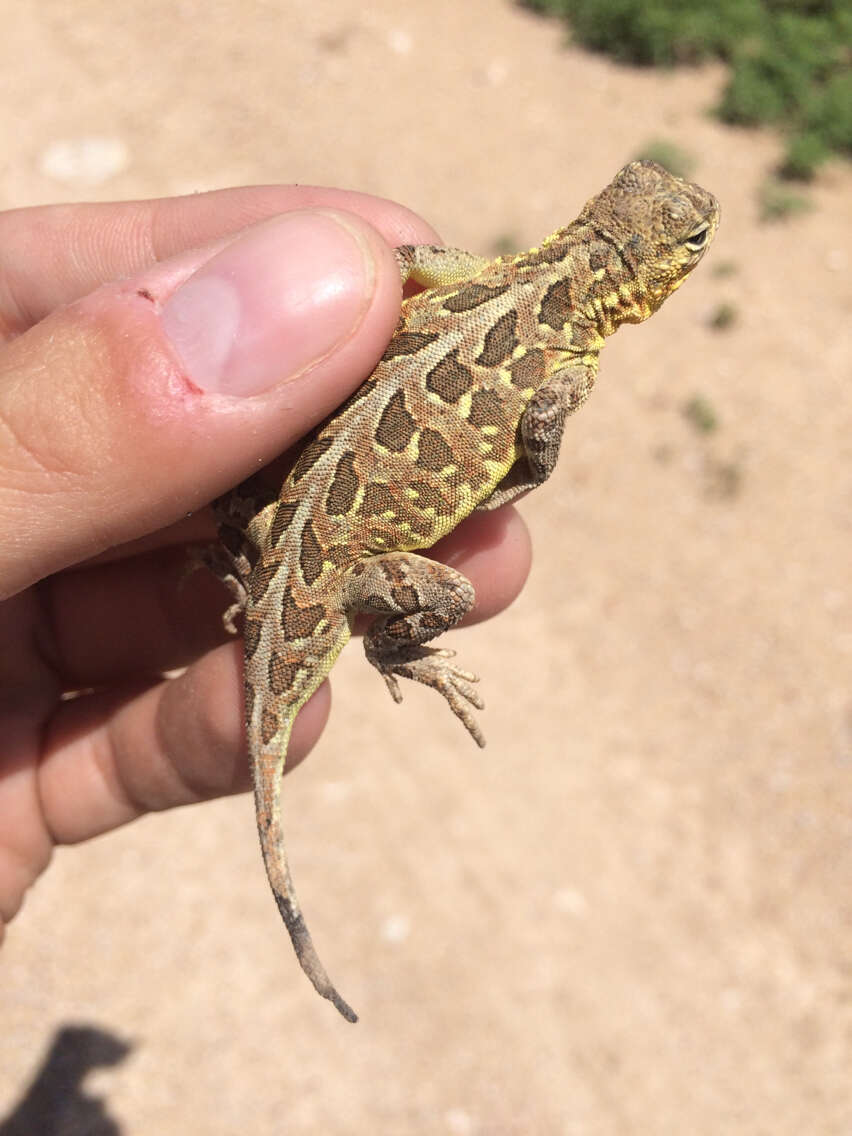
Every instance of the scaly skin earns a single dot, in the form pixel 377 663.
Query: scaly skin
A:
pixel 465 411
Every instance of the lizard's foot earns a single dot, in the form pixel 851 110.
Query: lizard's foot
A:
pixel 430 666
pixel 217 560
pixel 415 599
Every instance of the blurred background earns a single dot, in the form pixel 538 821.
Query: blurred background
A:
pixel 631 913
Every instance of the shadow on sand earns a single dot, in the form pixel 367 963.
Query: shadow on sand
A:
pixel 56 1104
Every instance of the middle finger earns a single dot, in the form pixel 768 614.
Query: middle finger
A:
pixel 150 613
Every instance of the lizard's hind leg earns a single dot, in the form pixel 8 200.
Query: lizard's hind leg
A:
pixel 415 599
pixel 242 516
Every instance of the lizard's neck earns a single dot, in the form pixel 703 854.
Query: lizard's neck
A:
pixel 609 307
pixel 616 293
pixel 608 290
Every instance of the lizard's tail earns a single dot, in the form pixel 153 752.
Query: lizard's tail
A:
pixel 267 772
pixel 290 645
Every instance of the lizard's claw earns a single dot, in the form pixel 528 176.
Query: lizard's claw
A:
pixel 429 665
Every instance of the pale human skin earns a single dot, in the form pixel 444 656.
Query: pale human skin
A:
pixel 121 413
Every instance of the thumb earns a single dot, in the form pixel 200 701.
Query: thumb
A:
pixel 135 405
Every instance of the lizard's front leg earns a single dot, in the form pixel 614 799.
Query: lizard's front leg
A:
pixel 541 428
pixel 415 599
pixel 436 265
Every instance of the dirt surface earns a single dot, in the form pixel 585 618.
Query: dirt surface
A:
pixel 632 912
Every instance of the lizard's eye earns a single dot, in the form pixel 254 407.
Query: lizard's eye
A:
pixel 696 241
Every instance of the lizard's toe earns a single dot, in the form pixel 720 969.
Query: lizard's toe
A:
pixel 430 666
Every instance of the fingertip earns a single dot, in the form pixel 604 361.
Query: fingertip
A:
pixel 277 300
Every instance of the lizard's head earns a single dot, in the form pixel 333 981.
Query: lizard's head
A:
pixel 661 226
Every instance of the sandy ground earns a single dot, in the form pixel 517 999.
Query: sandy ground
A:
pixel 631 913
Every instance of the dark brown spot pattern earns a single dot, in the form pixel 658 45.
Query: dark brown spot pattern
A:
pixel 449 379
pixel 473 296
pixel 377 500
pixel 377 603
pixel 433 452
pixel 528 370
pixel 409 343
pixel 396 426
pixel 556 307
pixel 251 635
pixel 282 673
pixel 299 622
pixel 338 555
pixel 405 598
pixel 282 520
pixel 260 578
pixel 430 621
pixel 248 690
pixel 311 555
pixel 399 629
pixel 344 486
pixel 599 256
pixel 428 497
pixel 268 724
pixel 486 409
pixel 500 340
pixel 309 457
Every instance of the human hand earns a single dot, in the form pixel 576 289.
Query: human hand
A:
pixel 126 404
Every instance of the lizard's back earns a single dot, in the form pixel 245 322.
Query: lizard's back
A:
pixel 434 429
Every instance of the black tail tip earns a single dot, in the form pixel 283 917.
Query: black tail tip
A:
pixel 342 1007
pixel 307 955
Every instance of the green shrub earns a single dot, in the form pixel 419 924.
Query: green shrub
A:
pixel 658 32
pixel 777 202
pixel 804 153
pixel 725 315
pixel 700 414
pixel 790 59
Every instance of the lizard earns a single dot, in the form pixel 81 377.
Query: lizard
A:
pixel 465 410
